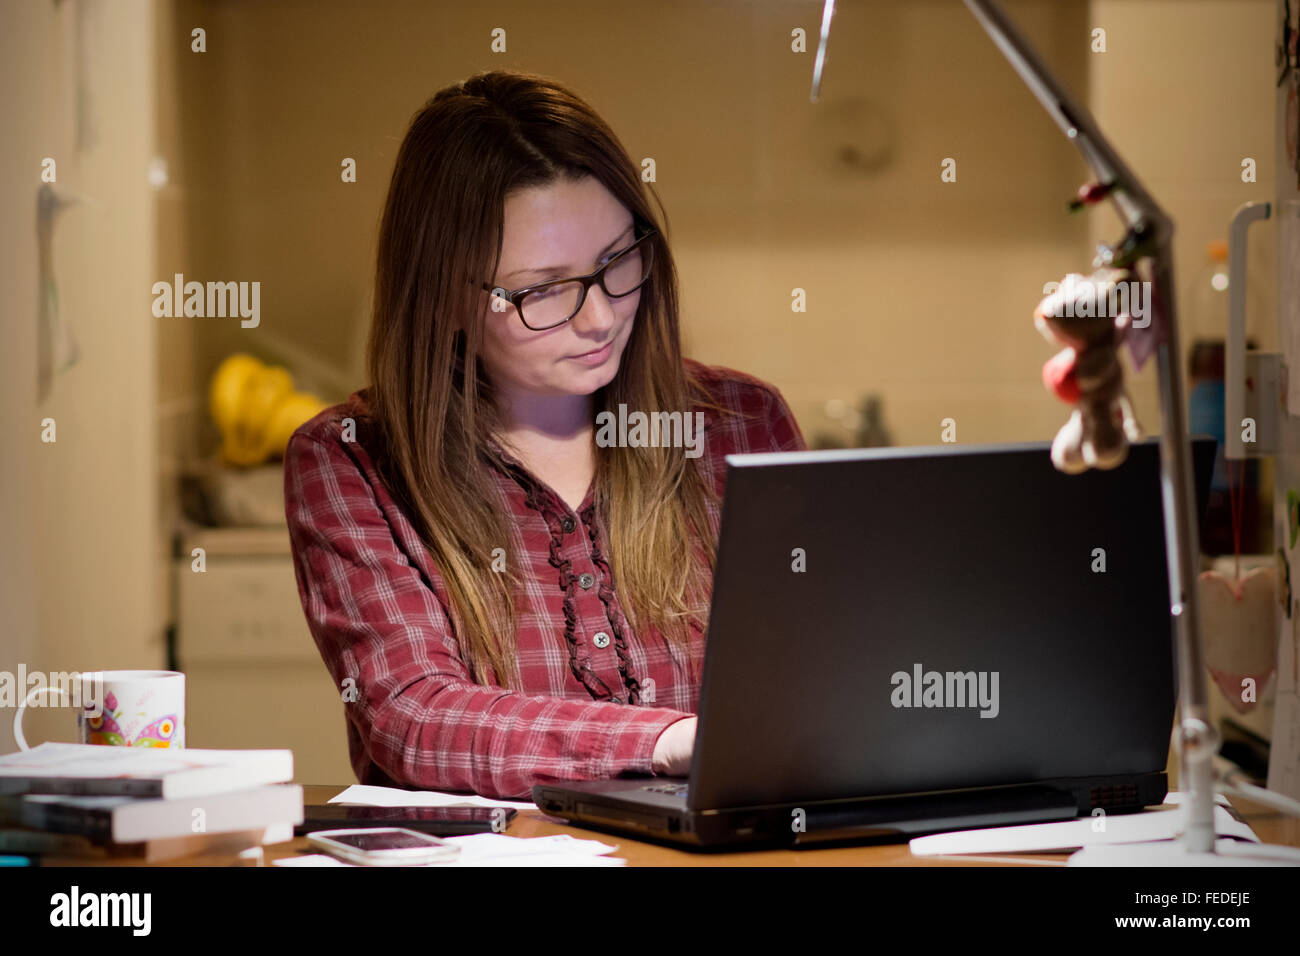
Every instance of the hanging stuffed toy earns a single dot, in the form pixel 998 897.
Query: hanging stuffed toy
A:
pixel 1238 613
pixel 1087 372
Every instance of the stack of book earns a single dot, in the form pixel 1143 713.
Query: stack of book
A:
pixel 79 803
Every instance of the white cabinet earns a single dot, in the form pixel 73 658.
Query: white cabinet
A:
pixel 254 678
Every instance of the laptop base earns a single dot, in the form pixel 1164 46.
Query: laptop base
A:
pixel 626 807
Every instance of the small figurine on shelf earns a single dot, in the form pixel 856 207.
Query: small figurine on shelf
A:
pixel 872 432
pixel 861 427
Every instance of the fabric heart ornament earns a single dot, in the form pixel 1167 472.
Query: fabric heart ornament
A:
pixel 1239 630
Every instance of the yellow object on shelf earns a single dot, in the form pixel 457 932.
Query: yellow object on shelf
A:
pixel 256 409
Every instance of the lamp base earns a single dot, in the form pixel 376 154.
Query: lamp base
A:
pixel 1227 852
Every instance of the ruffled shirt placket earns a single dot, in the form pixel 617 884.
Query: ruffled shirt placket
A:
pixel 554 514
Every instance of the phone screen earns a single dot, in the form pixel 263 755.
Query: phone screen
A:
pixel 379 840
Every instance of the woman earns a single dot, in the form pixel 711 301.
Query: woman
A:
pixel 507 587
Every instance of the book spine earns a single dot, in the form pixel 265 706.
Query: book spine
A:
pixel 96 824
pixel 82 787
pixel 40 841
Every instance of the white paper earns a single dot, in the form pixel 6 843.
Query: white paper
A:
pixel 1068 835
pixel 482 845
pixel 550 859
pixel 497 849
pixel 367 796
pixel 1176 797
pixel 310 859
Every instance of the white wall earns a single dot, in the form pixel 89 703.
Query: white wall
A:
pixel 78 544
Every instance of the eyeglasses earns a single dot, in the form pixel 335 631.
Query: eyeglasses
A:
pixel 548 304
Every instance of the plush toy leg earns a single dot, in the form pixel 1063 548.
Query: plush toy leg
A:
pixel 1066 453
pixel 1101 383
pixel 1132 430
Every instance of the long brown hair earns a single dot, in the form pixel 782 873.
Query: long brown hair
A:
pixel 467 148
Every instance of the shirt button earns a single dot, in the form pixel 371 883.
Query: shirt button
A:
pixel 586 580
pixel 568 525
pixel 601 639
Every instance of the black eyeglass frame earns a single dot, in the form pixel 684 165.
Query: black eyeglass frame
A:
pixel 516 297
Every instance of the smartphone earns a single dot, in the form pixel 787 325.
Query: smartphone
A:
pixel 440 821
pixel 383 846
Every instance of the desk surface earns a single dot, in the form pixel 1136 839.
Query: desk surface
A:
pixel 1269 825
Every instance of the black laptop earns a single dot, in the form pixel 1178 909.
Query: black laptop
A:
pixel 911 640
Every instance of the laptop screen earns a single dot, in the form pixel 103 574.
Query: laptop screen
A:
pixel 903 620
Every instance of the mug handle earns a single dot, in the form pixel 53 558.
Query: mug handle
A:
pixel 18 717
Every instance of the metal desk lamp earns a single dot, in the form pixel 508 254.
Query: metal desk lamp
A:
pixel 1148 237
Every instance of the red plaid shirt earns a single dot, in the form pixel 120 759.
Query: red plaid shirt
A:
pixel 377 608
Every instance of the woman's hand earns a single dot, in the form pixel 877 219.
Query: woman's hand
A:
pixel 672 756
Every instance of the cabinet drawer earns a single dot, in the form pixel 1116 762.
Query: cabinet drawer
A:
pixel 240 609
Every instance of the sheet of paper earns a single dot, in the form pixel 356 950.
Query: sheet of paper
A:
pixel 368 796
pixel 497 849
pixel 310 859
pixel 548 859
pixel 483 845
pixel 1070 835
pixel 1175 798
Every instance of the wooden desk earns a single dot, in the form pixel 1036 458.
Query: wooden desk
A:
pixel 1270 826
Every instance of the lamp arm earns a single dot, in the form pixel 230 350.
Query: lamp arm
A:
pixel 1149 235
